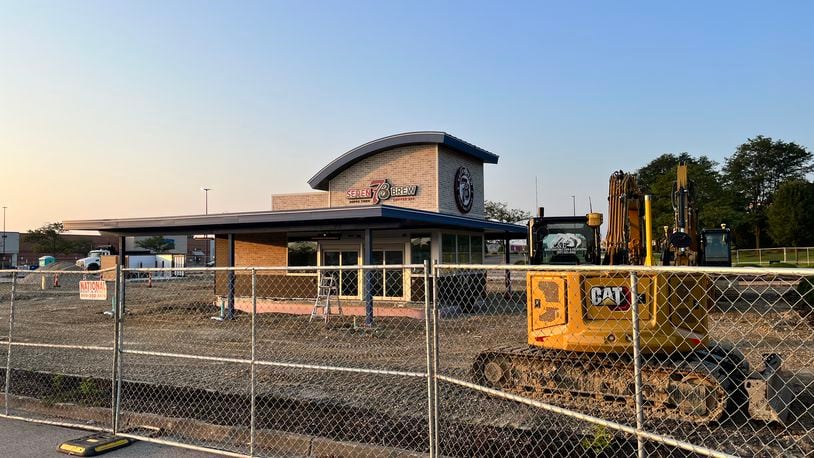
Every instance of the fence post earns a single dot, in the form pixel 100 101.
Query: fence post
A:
pixel 637 359
pixel 114 376
pixel 785 253
pixel 121 306
pixel 8 350
pixel 737 256
pixel 252 371
pixel 430 374
pixel 760 256
pixel 435 346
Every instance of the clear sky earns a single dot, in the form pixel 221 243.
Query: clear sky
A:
pixel 125 109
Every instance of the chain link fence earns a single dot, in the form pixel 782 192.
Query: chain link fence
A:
pixel 408 360
pixel 724 364
pixel 57 349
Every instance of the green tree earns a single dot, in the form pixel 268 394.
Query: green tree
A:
pixel 713 203
pixel 48 239
pixel 156 244
pixel 790 217
pixel 756 171
pixel 500 211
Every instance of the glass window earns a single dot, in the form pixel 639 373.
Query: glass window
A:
pixel 302 254
pixel 463 249
pixel 448 249
pixel 477 249
pixel 420 249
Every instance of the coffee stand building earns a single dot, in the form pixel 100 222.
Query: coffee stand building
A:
pixel 402 199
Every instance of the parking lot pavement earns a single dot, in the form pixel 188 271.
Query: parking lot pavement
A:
pixel 23 439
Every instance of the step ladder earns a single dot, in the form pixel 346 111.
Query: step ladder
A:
pixel 327 289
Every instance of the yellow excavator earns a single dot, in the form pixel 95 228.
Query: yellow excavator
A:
pixel 580 339
pixel 684 244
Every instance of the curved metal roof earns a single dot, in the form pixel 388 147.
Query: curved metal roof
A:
pixel 321 179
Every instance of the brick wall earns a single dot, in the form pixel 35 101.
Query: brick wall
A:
pixel 449 162
pixel 253 250
pixel 299 201
pixel 409 165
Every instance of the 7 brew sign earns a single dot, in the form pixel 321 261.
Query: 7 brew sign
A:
pixel 380 190
pixel 616 298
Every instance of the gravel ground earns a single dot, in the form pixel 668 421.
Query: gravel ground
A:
pixel 174 317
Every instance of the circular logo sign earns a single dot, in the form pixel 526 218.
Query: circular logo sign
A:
pixel 464 190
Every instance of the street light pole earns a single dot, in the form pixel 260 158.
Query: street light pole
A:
pixel 206 199
pixel 3 259
pixel 574 204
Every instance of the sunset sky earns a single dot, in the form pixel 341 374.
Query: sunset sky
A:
pixel 114 109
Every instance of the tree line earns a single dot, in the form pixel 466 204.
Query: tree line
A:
pixel 761 192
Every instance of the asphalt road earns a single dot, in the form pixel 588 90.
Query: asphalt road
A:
pixel 23 439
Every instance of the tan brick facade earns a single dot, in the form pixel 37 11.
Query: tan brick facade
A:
pixel 299 201
pixel 448 163
pixel 253 250
pixel 431 167
pixel 409 165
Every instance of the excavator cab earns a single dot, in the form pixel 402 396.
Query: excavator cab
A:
pixel 716 247
pixel 564 240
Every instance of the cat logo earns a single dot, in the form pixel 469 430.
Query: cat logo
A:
pixel 616 298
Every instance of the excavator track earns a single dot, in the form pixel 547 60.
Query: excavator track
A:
pixel 696 387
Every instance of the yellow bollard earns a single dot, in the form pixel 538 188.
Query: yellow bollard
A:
pixel 648 231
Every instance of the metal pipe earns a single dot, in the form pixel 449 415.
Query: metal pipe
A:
pixel 213 451
pixel 275 363
pixel 119 318
pixel 253 375
pixel 61 346
pixel 301 269
pixel 637 359
pixel 10 333
pixel 115 372
pixel 648 227
pixel 435 347
pixel 430 374
pixel 639 269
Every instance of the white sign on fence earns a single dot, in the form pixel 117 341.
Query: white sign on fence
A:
pixel 93 290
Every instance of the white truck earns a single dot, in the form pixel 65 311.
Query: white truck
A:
pixel 93 261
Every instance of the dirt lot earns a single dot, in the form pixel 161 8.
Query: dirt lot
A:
pixel 175 317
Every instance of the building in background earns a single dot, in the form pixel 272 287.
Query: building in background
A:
pixel 9 249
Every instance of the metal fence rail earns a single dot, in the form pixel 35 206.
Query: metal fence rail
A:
pixel 371 360
pixel 801 256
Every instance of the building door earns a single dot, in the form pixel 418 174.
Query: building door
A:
pixel 388 282
pixel 348 279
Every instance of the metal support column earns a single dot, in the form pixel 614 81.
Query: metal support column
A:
pixel 430 368
pixel 507 259
pixel 367 259
pixel 118 319
pixel 637 359
pixel 10 333
pixel 435 347
pixel 230 283
pixel 252 426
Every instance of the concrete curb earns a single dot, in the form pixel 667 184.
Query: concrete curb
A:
pixel 270 442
